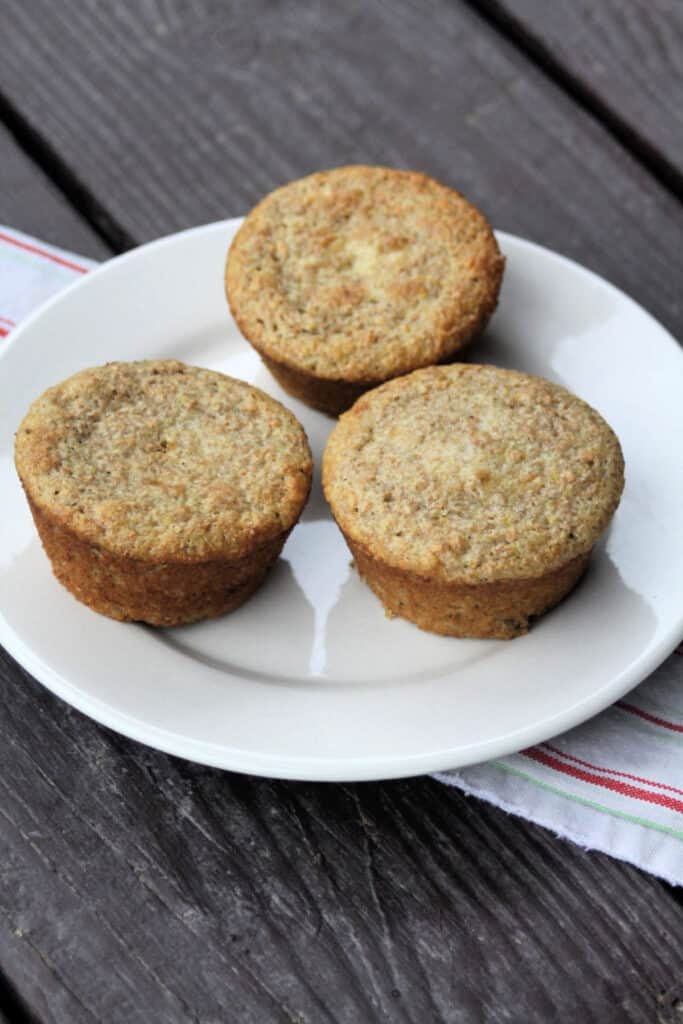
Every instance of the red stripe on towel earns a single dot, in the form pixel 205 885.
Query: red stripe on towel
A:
pixel 612 771
pixel 633 710
pixel 42 252
pixel 615 785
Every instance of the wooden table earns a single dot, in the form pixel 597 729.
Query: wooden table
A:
pixel 135 887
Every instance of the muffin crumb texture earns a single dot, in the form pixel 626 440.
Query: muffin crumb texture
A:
pixel 460 487
pixel 360 274
pixel 162 483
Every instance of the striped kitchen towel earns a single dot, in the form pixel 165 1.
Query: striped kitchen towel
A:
pixel 31 272
pixel 613 784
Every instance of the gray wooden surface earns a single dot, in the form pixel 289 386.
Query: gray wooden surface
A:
pixel 30 201
pixel 172 114
pixel 624 58
pixel 138 887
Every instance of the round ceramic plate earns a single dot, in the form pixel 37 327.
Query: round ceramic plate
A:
pixel 309 680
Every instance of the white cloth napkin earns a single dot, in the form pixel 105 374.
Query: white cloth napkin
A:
pixel 614 784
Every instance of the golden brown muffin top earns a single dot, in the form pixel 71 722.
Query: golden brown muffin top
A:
pixel 362 273
pixel 161 461
pixel 471 473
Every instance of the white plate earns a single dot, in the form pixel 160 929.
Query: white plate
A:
pixel 309 680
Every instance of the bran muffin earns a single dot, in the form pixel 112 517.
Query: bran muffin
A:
pixel 161 492
pixel 471 496
pixel 350 277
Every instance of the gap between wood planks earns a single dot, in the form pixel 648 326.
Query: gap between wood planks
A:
pixel 538 53
pixel 82 199
pixel 491 12
pixel 79 197
pixel 13 1009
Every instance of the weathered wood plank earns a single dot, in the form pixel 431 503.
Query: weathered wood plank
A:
pixel 626 54
pixel 30 202
pixel 175 114
pixel 12 1007
pixel 156 889
pixel 137 887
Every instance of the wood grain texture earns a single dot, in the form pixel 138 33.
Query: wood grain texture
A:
pixel 628 54
pixel 176 113
pixel 137 887
pixel 30 202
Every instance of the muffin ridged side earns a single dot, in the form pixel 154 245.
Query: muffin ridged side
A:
pixel 161 492
pixel 472 496
pixel 350 277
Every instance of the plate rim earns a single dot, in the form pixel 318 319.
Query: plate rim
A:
pixel 312 768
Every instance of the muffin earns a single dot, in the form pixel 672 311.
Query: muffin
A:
pixel 350 277
pixel 471 496
pixel 162 493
